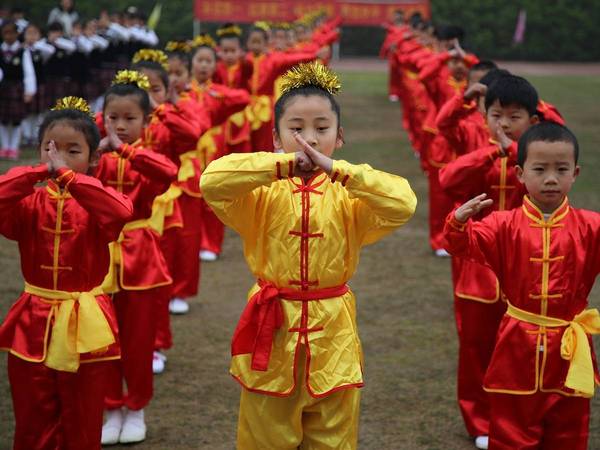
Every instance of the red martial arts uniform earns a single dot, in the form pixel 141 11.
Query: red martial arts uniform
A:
pixel 546 266
pixel 219 103
pixel 394 35
pixel 477 296
pixel 265 70
pixel 63 231
pixel 139 276
pixel 173 131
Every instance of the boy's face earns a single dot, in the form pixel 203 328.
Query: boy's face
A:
pixel 32 35
pixel 313 118
pixel 203 64
pixel 179 74
pixel 257 43
pixel 158 90
pixel 70 143
pixel 290 37
pixel 548 173
pixel 458 69
pixel 126 117
pixel 9 34
pixel 514 119
pixel 230 51
pixel 279 39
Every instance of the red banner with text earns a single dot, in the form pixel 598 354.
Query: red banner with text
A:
pixel 351 12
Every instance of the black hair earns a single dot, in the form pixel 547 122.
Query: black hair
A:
pixel 56 26
pixel 123 90
pixel 448 32
pixel 259 30
pixel 229 35
pixel 485 64
pixel 512 90
pixel 78 120
pixel 17 10
pixel 7 24
pixel 305 91
pixel 199 47
pixel 493 75
pixel 184 57
pixel 155 67
pixel 415 19
pixel 546 132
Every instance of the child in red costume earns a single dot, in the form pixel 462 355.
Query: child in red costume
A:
pixel 57 373
pixel 546 255
pixel 139 277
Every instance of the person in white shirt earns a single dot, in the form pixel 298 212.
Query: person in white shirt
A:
pixel 16 90
pixel 64 14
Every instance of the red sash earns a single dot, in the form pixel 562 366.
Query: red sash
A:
pixel 263 316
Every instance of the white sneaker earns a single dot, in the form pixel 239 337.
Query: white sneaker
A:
pixel 482 442
pixel 208 256
pixel 393 98
pixel 112 427
pixel 158 362
pixel 441 253
pixel 134 428
pixel 178 306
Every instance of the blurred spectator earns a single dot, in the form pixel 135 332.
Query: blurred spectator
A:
pixel 64 14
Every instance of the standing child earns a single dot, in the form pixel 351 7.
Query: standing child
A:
pixel 17 89
pixel 303 218
pixel 138 276
pixel 546 255
pixel 63 326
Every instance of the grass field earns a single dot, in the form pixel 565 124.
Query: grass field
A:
pixel 404 302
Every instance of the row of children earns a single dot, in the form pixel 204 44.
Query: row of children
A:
pixel 36 70
pixel 161 124
pixel 512 293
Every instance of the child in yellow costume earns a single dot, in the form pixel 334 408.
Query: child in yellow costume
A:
pixel 303 218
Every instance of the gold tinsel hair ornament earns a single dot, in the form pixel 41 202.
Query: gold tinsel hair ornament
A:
pixel 178 46
pixel 76 103
pixel 132 77
pixel 311 74
pixel 262 25
pixel 204 40
pixel 147 54
pixel 229 30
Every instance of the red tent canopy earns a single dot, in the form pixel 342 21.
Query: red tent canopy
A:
pixel 352 12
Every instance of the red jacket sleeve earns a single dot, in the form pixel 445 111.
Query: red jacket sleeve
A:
pixel 186 122
pixel 282 62
pixel 465 176
pixel 110 209
pixel 15 185
pixel 448 120
pixel 156 167
pixel 224 102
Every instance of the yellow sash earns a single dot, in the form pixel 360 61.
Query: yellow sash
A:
pixel 162 207
pixel 258 111
pixel 110 285
pixel 75 330
pixel 574 344
pixel 238 118
pixel 205 150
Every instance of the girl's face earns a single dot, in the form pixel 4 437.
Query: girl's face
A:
pixel 179 74
pixel 9 34
pixel 230 51
pixel 257 43
pixel 70 143
pixel 312 117
pixel 158 91
pixel 126 117
pixel 203 64
pixel 32 35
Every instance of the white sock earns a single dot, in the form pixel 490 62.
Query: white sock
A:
pixel 15 137
pixel 4 136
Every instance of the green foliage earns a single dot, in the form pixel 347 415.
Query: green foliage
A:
pixel 557 30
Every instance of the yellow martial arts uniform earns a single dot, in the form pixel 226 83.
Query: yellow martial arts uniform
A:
pixel 299 237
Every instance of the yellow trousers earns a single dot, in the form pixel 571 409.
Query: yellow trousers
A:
pixel 299 421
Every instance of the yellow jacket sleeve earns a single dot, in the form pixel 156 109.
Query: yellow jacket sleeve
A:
pixel 381 201
pixel 233 185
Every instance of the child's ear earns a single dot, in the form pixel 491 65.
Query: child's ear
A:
pixel 95 158
pixel 276 140
pixel 147 120
pixel 534 119
pixel 340 138
pixel 519 171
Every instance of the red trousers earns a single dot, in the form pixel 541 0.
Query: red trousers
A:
pixel 136 315
pixel 181 246
pixel 57 410
pixel 542 421
pixel 213 230
pixel 477 324
pixel 262 139
pixel 164 338
pixel 440 205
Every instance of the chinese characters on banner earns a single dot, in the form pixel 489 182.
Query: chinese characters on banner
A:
pixel 351 12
